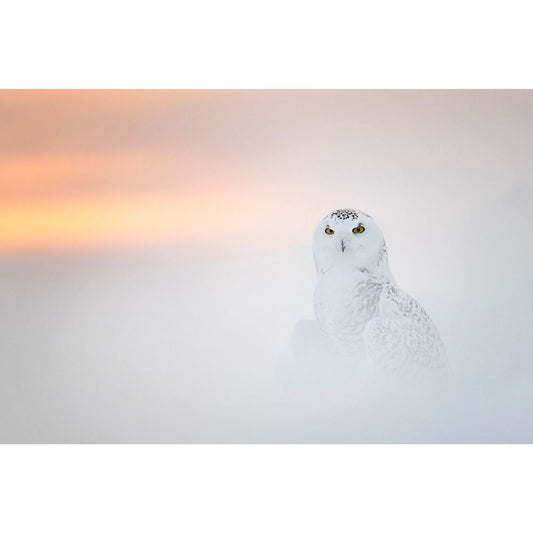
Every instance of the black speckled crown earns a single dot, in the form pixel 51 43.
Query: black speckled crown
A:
pixel 344 214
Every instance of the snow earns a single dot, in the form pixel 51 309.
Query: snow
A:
pixel 163 346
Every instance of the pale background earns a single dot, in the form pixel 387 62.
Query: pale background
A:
pixel 156 253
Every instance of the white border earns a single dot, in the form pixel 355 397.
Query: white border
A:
pixel 279 44
pixel 255 488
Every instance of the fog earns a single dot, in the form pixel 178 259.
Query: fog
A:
pixel 189 341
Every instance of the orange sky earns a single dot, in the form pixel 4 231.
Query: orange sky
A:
pixel 108 168
pixel 112 199
pixel 100 168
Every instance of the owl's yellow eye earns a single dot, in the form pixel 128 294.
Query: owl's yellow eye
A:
pixel 329 231
pixel 359 229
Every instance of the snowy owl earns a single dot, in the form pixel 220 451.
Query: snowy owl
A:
pixel 360 309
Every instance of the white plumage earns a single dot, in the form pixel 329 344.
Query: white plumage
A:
pixel 360 309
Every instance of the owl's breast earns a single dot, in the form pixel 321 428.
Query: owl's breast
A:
pixel 344 302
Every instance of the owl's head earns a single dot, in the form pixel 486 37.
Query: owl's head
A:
pixel 351 238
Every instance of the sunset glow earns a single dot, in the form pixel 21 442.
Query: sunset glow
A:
pixel 119 220
pixel 92 169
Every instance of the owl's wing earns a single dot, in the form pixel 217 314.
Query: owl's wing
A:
pixel 402 337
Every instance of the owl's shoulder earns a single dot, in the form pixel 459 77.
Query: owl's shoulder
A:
pixel 396 303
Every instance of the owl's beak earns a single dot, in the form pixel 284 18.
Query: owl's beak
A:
pixel 343 246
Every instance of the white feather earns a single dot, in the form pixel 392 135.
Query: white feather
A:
pixel 358 306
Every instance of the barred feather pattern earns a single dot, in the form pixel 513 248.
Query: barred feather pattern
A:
pixel 369 318
pixel 402 337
